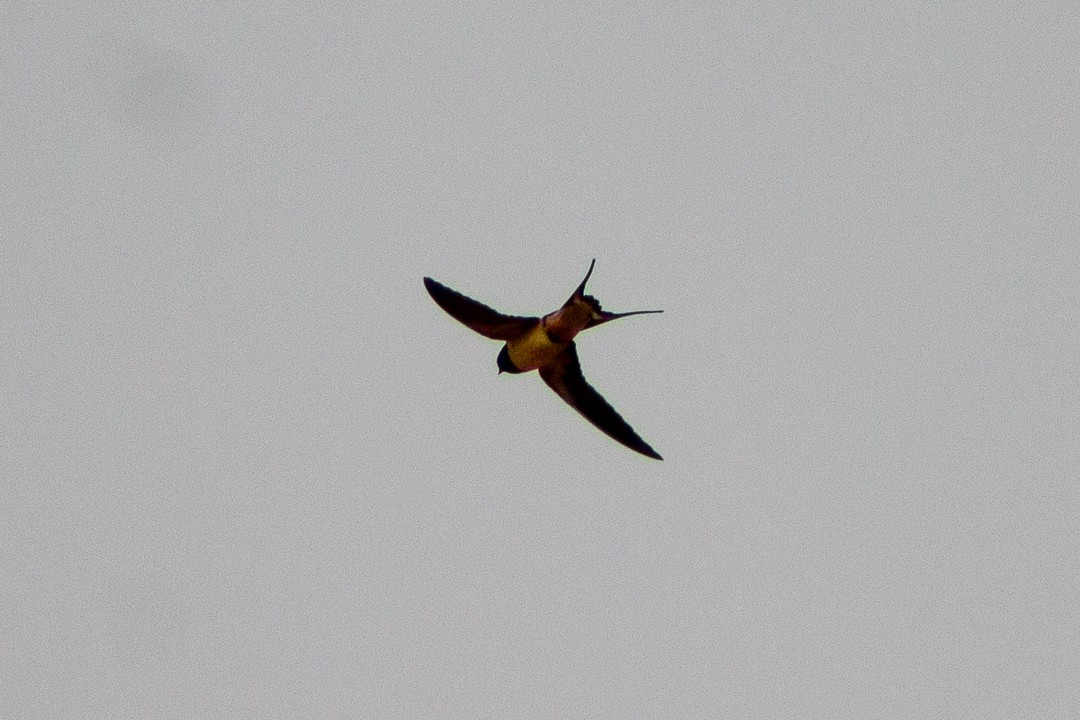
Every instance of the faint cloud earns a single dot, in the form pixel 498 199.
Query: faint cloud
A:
pixel 169 101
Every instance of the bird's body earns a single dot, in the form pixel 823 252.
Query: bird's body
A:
pixel 550 337
pixel 534 349
pixel 546 344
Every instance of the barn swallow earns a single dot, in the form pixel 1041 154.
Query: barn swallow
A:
pixel 546 344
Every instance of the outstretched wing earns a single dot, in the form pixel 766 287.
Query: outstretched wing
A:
pixel 477 316
pixel 565 378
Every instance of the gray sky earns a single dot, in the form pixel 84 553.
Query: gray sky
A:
pixel 251 470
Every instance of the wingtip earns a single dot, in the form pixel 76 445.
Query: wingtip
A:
pixel 433 286
pixel 642 448
pixel 651 453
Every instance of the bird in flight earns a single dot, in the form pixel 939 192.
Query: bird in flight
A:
pixel 546 344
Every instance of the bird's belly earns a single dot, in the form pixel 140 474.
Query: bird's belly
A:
pixel 533 349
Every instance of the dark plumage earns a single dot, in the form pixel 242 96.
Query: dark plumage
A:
pixel 546 344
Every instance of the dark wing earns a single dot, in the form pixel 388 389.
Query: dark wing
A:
pixel 565 378
pixel 477 316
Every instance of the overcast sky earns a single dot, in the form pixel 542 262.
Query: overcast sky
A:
pixel 250 469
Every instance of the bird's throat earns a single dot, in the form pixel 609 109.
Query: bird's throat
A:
pixel 535 348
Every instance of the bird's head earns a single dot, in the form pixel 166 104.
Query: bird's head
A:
pixel 505 363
